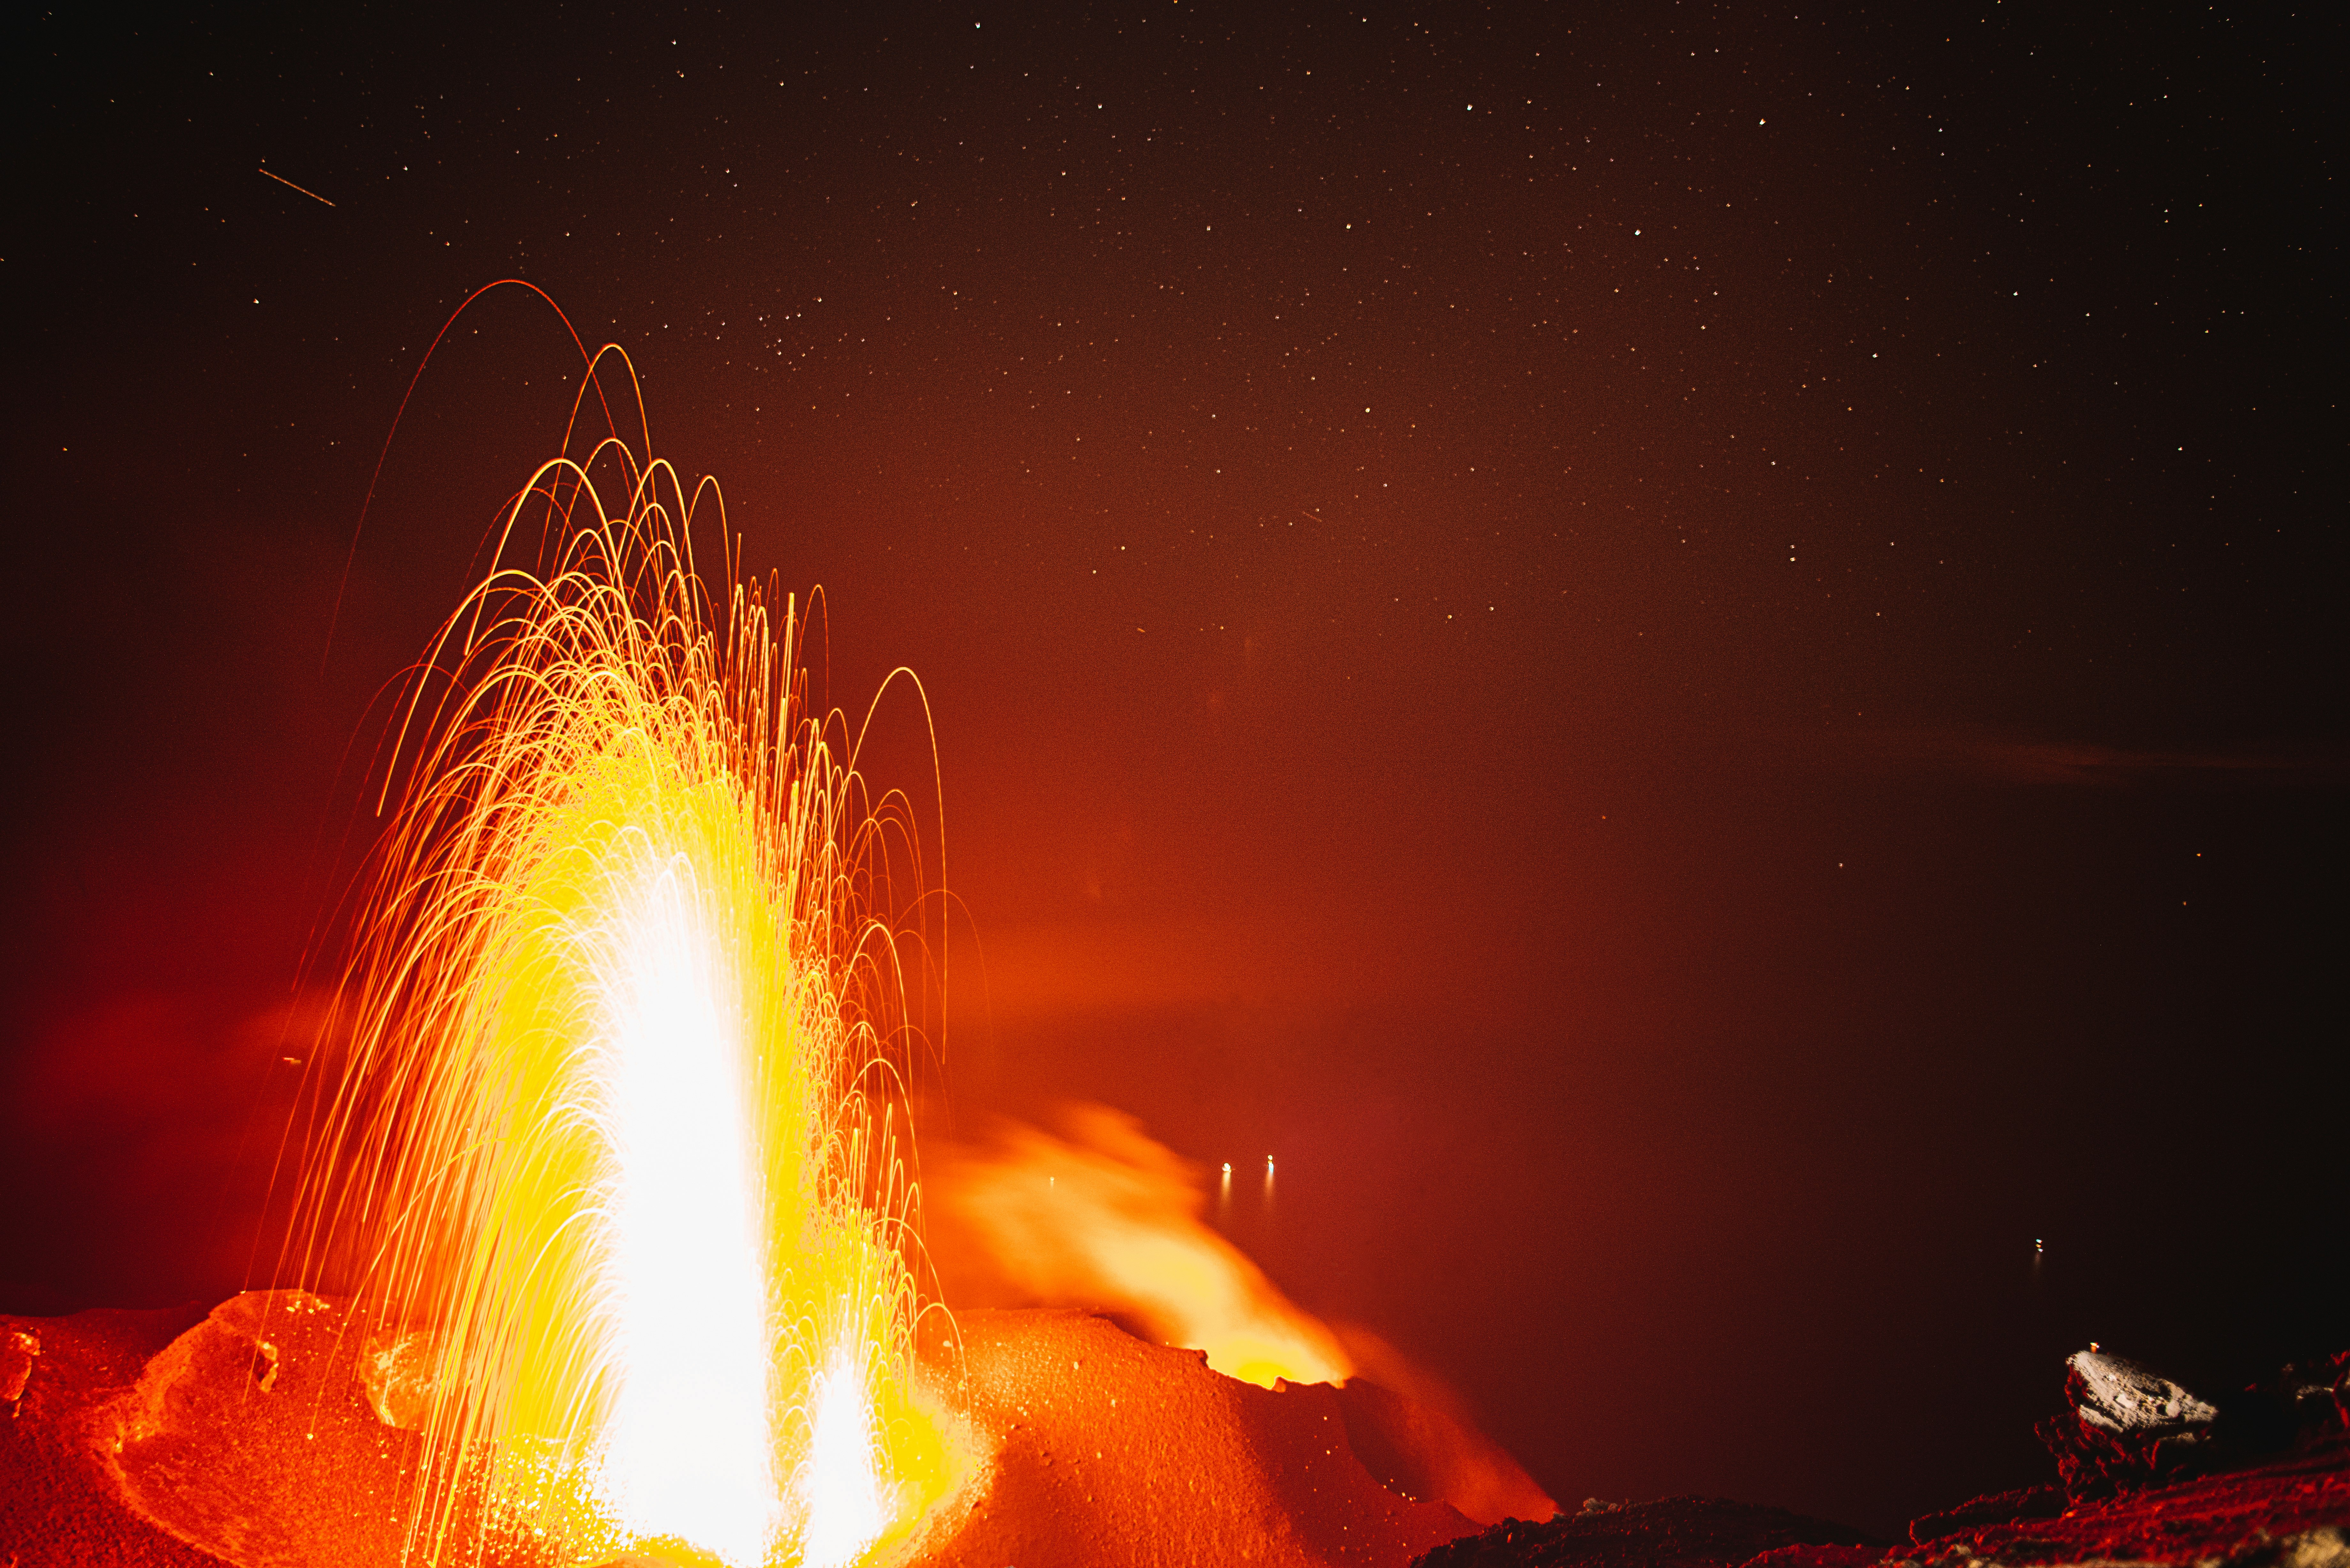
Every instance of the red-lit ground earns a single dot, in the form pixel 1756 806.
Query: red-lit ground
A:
pixel 147 1438
pixel 1113 1451
pixel 181 1440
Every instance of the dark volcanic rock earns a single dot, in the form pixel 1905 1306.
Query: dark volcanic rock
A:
pixel 2306 1403
pixel 1821 1557
pixel 2130 1428
pixel 1999 1507
pixel 1671 1532
pixel 2290 1512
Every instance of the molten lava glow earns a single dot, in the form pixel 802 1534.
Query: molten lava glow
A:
pixel 687 1449
pixel 614 1127
pixel 1108 1217
pixel 843 1495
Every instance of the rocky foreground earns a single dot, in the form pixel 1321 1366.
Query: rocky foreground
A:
pixel 2147 1473
pixel 250 1435
pixel 2292 1514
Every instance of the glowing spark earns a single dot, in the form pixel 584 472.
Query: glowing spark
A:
pixel 291 186
pixel 610 1142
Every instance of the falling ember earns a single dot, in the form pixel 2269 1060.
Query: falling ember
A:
pixel 613 1132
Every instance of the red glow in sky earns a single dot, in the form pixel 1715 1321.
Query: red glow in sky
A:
pixel 1674 652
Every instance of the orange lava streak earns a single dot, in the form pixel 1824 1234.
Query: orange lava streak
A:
pixel 613 1121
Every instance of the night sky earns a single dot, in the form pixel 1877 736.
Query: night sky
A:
pixel 1691 656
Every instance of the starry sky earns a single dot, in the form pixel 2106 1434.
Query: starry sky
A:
pixel 1679 650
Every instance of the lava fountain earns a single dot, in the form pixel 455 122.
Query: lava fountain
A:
pixel 611 1156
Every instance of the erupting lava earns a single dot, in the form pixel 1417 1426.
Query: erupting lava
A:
pixel 1105 1217
pixel 610 1158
